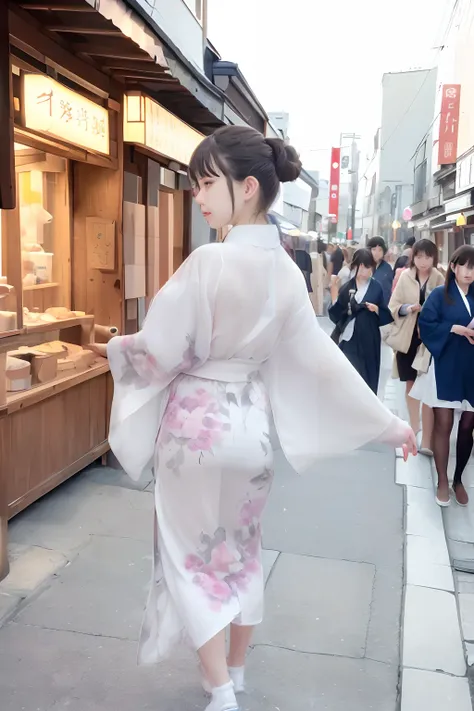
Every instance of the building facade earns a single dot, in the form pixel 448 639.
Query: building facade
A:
pixel 443 205
pixel 407 111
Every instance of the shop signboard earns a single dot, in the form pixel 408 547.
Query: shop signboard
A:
pixel 334 184
pixel 148 124
pixel 449 124
pixel 53 109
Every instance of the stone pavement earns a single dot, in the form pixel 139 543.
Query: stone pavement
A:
pixel 334 562
pixel 336 616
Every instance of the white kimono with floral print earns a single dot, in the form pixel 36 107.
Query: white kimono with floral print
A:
pixel 229 341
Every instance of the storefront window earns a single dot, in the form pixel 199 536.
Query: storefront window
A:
pixel 43 202
pixel 10 283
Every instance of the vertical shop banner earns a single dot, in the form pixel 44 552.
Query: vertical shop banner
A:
pixel 449 124
pixel 334 181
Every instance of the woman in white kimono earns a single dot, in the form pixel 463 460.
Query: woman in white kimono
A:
pixel 229 338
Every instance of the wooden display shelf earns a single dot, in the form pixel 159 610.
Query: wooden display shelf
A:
pixel 28 336
pixel 38 287
pixel 25 398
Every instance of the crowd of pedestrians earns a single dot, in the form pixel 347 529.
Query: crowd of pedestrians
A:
pixel 427 318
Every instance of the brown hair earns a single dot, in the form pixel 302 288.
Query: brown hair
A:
pixel 238 152
pixel 463 255
pixel 424 246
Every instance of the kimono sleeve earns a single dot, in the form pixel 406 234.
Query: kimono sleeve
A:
pixel 321 406
pixel 434 331
pixel 175 338
pixel 338 310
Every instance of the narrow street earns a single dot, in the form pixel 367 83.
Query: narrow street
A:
pixel 331 637
pixel 331 634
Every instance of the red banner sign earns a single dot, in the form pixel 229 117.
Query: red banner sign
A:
pixel 449 126
pixel 335 177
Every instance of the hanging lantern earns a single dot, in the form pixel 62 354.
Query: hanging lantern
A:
pixel 461 220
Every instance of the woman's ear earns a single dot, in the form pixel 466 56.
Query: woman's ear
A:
pixel 251 188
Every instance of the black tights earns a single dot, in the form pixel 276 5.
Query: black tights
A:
pixel 443 425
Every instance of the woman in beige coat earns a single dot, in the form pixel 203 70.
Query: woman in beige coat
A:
pixel 413 287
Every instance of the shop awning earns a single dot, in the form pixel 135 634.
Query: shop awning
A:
pixel 449 221
pixel 114 38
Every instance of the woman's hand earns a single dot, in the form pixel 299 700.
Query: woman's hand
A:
pixel 98 348
pixel 410 446
pixel 464 331
pixel 372 307
pixel 414 309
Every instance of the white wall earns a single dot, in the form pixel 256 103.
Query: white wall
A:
pixel 179 23
pixel 297 194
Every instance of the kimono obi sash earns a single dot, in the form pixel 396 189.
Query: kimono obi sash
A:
pixel 226 371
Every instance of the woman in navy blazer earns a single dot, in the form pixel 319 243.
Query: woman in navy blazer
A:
pixel 446 326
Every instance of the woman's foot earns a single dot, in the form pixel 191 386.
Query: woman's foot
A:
pixel 223 699
pixel 460 494
pixel 442 496
pixel 237 676
pixel 423 447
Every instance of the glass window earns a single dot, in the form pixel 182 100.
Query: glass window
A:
pixel 43 204
pixel 10 278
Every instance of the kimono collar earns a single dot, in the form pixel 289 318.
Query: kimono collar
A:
pixel 264 236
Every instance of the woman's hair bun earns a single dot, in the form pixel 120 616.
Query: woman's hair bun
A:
pixel 287 161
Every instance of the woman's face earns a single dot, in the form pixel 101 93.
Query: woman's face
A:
pixel 464 274
pixel 213 197
pixel 378 254
pixel 364 272
pixel 423 262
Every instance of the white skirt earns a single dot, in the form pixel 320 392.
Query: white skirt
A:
pixel 425 390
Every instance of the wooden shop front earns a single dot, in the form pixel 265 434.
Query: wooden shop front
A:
pixel 157 207
pixel 60 283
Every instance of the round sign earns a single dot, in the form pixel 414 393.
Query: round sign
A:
pixel 335 165
pixel 407 214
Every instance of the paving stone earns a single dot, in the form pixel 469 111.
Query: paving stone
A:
pixel 103 592
pixel 269 559
pixel 116 477
pixel 383 638
pixel 422 566
pixel 430 550
pixel 431 637
pixel 332 597
pixel 50 670
pixel 7 605
pixel 466 610
pixel 423 517
pixel 279 679
pixel 64 520
pixel 416 471
pixel 30 569
pixel 330 512
pixel 436 692
pixel 465 582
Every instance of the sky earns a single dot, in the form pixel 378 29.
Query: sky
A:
pixel 322 61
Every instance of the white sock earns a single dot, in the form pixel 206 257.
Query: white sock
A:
pixel 237 675
pixel 223 698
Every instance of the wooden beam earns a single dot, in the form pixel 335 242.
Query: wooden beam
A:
pixel 143 77
pixel 135 64
pixel 111 54
pixel 7 156
pixel 56 7
pixel 85 30
pixel 24 34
